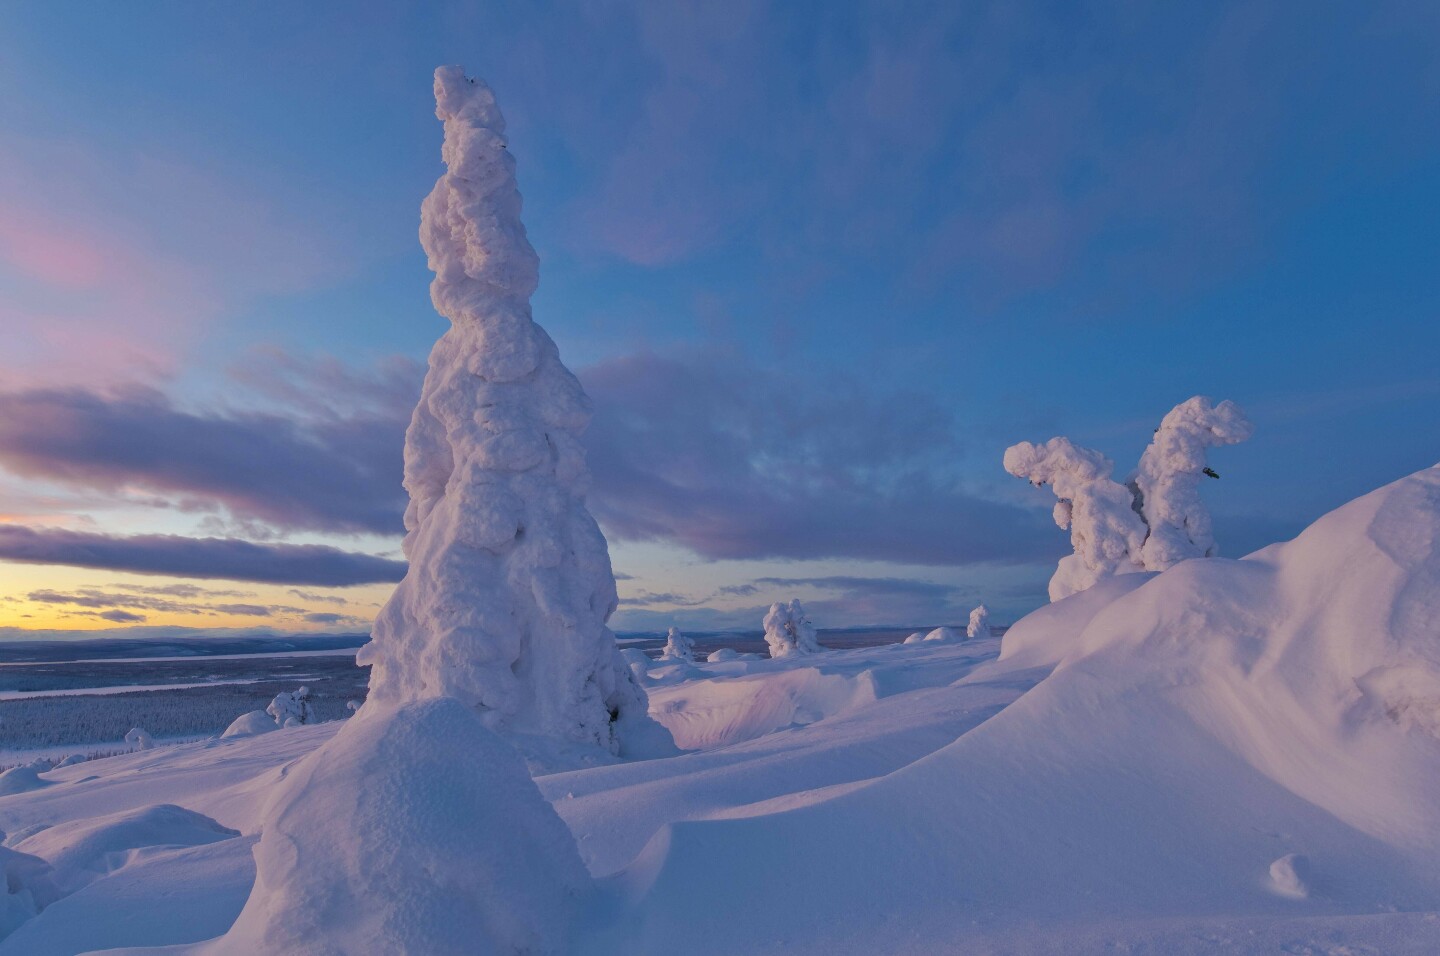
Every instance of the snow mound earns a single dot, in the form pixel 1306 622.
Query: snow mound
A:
pixel 82 851
pixel 139 739
pixel 915 638
pixel 21 874
pixel 416 830
pixel 509 588
pixel 1289 875
pixel 722 655
pixel 22 779
pixel 948 634
pixel 248 725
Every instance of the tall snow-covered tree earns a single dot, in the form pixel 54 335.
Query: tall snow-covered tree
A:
pixel 788 631
pixel 1168 480
pixel 678 647
pixel 510 586
pixel 979 625
pixel 1105 531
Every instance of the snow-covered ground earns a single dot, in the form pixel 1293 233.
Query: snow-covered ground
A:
pixel 1229 756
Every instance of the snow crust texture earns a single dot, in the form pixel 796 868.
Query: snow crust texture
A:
pixel 788 631
pixel 447 848
pixel 510 584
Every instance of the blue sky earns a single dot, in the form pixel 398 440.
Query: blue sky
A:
pixel 818 265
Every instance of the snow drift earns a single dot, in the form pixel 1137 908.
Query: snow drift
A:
pixel 447 847
pixel 510 586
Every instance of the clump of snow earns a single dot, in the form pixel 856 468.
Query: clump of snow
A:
pixel 139 739
pixel 915 638
pixel 1105 531
pixel 788 631
pixel 637 660
pixel 946 634
pixel 677 647
pixel 446 846
pixel 290 708
pixel 22 779
pixel 1168 480
pixel 1289 875
pixel 510 584
pixel 71 761
pixel 255 722
pixel 722 655
pixel 82 851
pixel 979 625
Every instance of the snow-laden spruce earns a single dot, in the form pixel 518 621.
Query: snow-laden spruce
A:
pixel 1105 531
pixel 510 586
pixel 1168 481
pixel 678 647
pixel 979 625
pixel 788 631
pixel 290 708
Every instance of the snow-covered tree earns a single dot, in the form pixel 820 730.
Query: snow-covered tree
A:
pixel 979 625
pixel 788 631
pixel 290 708
pixel 510 585
pixel 1168 481
pixel 677 647
pixel 1105 531
pixel 139 739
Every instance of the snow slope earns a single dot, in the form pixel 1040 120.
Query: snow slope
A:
pixel 1229 756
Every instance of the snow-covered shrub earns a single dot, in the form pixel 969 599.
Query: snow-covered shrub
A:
pixel 979 625
pixel 788 631
pixel 1168 481
pixel 139 739
pixel 413 830
pixel 677 647
pixel 510 585
pixel 637 660
pixel 290 708
pixel 1105 531
pixel 248 725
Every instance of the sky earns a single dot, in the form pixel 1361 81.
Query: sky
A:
pixel 817 265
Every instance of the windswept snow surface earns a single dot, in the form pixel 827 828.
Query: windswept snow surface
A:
pixel 1234 756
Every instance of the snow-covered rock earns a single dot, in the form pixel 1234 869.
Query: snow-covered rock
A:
pixel 447 847
pixel 1168 480
pixel 1105 531
pixel 788 631
pixel 248 725
pixel 677 647
pixel 139 739
pixel 510 585
pixel 979 625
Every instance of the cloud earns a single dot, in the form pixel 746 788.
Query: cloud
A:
pixel 314 473
pixel 122 617
pixel 319 598
pixel 732 460
pixel 230 559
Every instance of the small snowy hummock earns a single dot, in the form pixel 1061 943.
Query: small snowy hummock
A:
pixel 788 631
pixel 139 739
pixel 1168 480
pixel 446 846
pixel 677 647
pixel 1105 531
pixel 248 725
pixel 510 585
pixel 979 625
pixel 944 634
pixel 915 638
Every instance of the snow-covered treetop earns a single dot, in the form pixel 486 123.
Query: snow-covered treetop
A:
pixel 979 623
pixel 678 647
pixel 1168 480
pixel 789 631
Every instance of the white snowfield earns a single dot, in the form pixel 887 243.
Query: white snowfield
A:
pixel 1237 756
